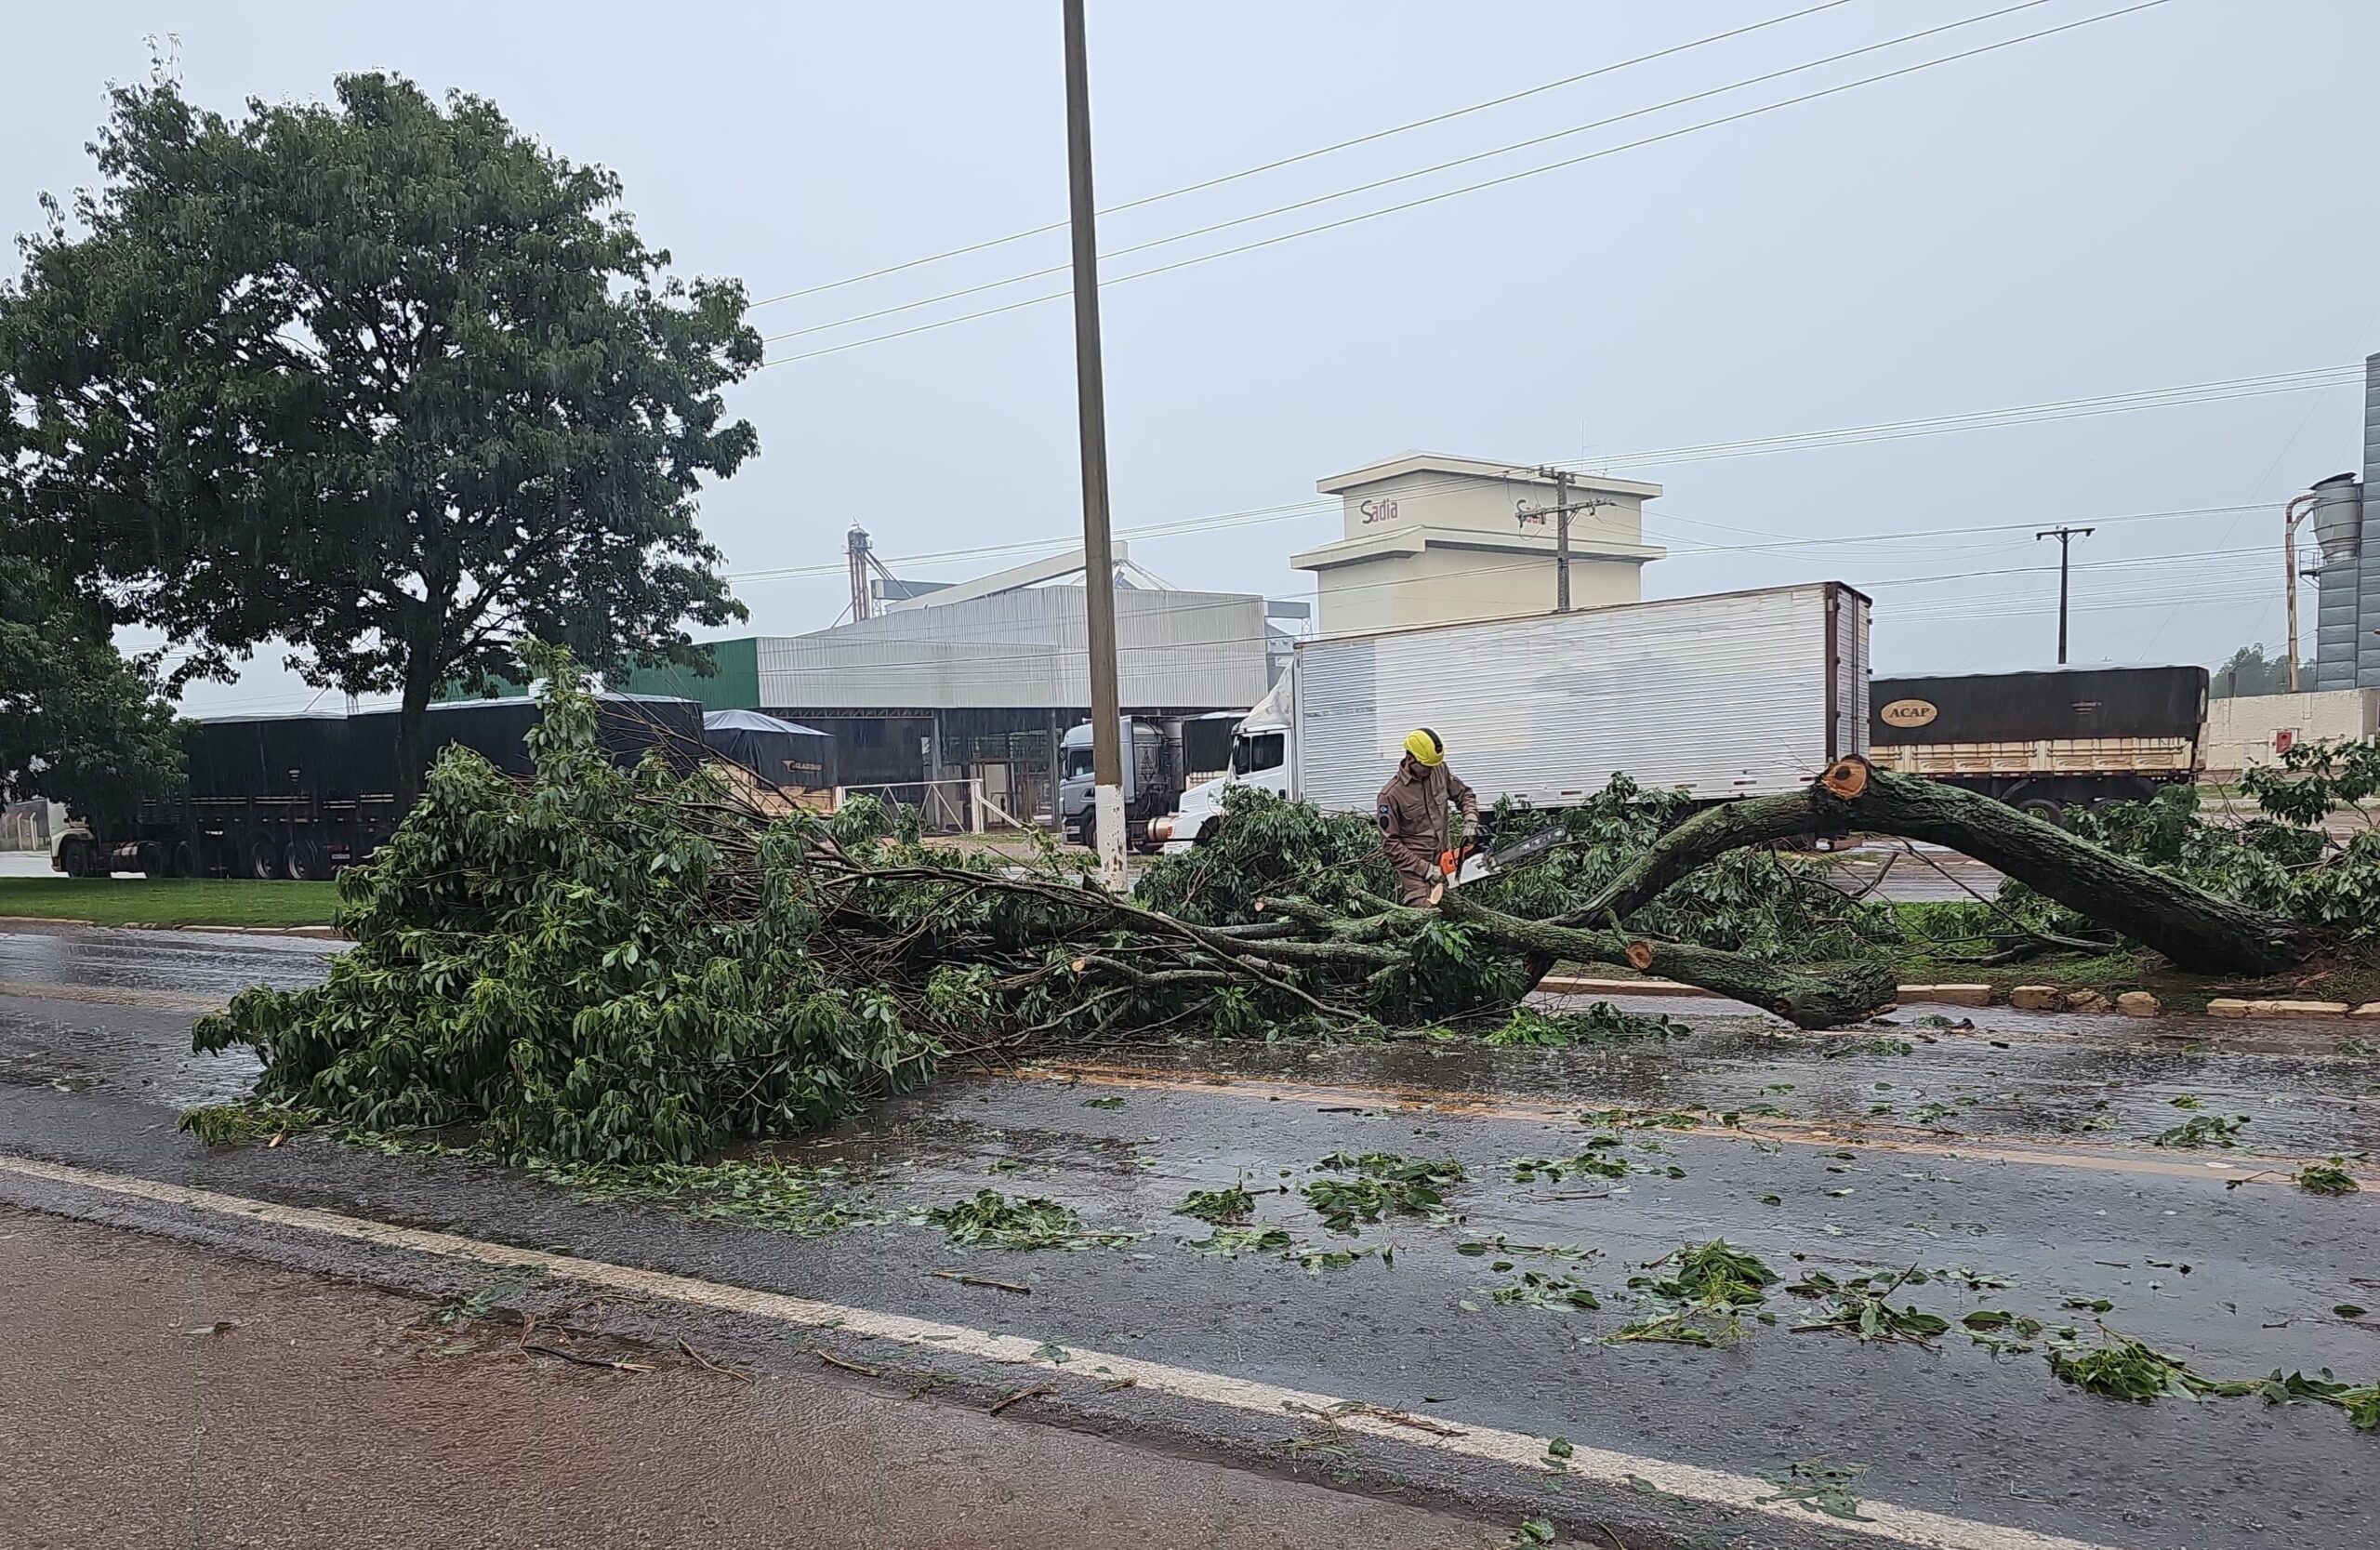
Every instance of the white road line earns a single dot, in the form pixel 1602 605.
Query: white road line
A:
pixel 1907 1526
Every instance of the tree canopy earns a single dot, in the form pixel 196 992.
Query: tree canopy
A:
pixel 2250 672
pixel 77 722
pixel 384 379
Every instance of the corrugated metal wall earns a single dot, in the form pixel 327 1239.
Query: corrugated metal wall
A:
pixel 1726 696
pixel 1850 734
pixel 1182 651
pixel 2346 618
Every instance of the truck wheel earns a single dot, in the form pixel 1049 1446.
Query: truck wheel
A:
pixel 262 856
pixel 2046 809
pixel 308 862
pixel 182 860
pixel 74 855
pixel 150 858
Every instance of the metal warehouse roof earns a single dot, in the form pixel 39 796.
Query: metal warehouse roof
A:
pixel 1026 648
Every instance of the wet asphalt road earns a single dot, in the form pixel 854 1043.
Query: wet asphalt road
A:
pixel 2019 1151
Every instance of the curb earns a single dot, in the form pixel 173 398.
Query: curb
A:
pixel 316 933
pixel 2023 998
pixel 2228 1007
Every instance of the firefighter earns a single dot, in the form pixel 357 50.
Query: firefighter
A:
pixel 1413 816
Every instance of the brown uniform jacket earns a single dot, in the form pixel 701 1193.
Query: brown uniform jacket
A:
pixel 1414 812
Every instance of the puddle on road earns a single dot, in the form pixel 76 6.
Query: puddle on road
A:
pixel 149 1066
pixel 1902 1078
pixel 161 962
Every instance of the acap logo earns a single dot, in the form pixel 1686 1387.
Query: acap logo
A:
pixel 1908 712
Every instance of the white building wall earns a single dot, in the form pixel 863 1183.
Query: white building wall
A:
pixel 1026 648
pixel 1429 539
pixel 2247 730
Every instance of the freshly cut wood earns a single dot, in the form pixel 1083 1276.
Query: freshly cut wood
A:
pixel 2194 928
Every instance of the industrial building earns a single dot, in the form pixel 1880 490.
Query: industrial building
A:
pixel 2346 618
pixel 1433 539
pixel 934 688
pixel 975 682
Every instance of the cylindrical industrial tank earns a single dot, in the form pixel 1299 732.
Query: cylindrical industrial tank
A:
pixel 2338 517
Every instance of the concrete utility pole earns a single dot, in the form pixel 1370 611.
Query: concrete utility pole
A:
pixel 1091 396
pixel 2065 537
pixel 1560 511
pixel 2296 512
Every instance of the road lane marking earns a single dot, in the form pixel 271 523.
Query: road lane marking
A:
pixel 1905 1526
pixel 2263 1166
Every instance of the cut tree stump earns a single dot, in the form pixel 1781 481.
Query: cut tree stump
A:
pixel 2194 928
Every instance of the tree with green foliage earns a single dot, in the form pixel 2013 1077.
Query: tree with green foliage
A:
pixel 78 723
pixel 383 379
pixel 2250 672
pixel 589 966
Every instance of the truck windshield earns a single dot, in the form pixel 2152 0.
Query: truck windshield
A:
pixel 1255 752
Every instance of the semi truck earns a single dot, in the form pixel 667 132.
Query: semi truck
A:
pixel 2048 741
pixel 1162 757
pixel 1735 695
pixel 302 796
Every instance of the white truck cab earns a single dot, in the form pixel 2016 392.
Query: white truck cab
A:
pixel 1260 757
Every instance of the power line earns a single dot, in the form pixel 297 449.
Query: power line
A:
pixel 2107 403
pixel 992 658
pixel 1454 192
pixel 2154 398
pixel 1992 605
pixel 1400 177
pixel 1305 155
pixel 995 658
pixel 1395 178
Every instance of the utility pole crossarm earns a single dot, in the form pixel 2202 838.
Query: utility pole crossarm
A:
pixel 1561 512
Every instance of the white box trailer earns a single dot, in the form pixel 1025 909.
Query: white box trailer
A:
pixel 1735 695
pixel 1739 695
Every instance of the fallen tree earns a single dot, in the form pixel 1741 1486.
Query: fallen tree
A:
pixel 2197 929
pixel 604 965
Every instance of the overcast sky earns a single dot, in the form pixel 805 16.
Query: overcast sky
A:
pixel 2172 197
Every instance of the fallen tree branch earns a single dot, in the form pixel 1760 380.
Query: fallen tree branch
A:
pixel 1808 997
pixel 2195 929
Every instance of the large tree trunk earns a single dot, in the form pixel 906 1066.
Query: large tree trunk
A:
pixel 2194 928
pixel 1822 996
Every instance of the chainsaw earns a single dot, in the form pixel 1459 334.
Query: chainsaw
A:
pixel 1468 862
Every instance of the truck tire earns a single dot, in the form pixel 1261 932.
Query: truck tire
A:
pixel 150 858
pixel 182 860
pixel 74 855
pixel 2048 809
pixel 260 857
pixel 306 861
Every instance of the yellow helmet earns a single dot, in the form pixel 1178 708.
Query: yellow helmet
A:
pixel 1425 747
